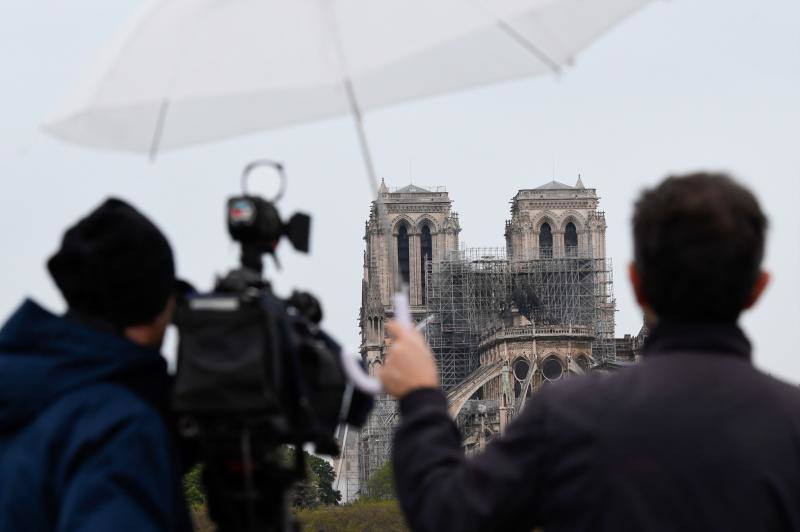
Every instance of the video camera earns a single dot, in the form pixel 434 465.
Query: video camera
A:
pixel 256 372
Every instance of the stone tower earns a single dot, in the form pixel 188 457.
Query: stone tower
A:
pixel 424 229
pixel 505 323
pixel 556 242
pixel 555 221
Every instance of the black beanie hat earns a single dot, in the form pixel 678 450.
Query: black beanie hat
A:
pixel 115 265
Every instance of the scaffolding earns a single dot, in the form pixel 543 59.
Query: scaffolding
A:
pixel 475 293
pixel 375 442
pixel 346 464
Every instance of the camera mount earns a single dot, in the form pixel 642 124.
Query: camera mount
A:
pixel 256 224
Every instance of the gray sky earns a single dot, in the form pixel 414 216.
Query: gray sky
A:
pixel 682 85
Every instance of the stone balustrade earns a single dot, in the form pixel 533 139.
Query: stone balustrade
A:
pixel 527 332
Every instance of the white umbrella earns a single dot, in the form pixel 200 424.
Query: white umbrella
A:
pixel 190 71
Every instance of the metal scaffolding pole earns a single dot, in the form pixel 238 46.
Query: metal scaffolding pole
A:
pixel 473 293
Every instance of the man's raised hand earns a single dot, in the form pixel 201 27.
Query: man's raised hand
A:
pixel 409 364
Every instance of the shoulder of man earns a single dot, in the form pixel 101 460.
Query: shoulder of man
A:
pixel 587 392
pixel 573 411
pixel 781 396
pixel 89 417
pixel 109 401
pixel 116 447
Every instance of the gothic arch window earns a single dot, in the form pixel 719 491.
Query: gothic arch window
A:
pixel 402 254
pixel 521 368
pixel 426 254
pixel 545 241
pixel 552 368
pixel 571 240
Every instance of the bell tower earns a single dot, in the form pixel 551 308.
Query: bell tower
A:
pixel 556 221
pixel 423 229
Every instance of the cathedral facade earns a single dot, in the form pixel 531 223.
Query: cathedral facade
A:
pixel 555 224
pixel 502 323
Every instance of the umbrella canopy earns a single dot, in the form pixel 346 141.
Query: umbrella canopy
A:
pixel 190 71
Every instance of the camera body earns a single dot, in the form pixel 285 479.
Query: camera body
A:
pixel 256 372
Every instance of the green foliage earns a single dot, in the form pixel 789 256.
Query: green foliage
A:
pixel 196 499
pixel 360 516
pixel 381 484
pixel 193 487
pixel 323 476
pixel 317 488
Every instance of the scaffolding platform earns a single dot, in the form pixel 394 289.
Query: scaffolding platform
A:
pixel 375 441
pixel 473 294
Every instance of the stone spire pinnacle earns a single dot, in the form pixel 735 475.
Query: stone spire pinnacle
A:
pixel 383 189
pixel 579 184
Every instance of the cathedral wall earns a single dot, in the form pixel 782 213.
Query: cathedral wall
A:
pixel 568 351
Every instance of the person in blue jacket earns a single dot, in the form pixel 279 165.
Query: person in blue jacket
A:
pixel 85 437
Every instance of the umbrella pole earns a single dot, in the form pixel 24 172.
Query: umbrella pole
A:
pixel 402 307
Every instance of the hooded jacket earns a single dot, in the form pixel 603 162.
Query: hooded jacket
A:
pixel 83 439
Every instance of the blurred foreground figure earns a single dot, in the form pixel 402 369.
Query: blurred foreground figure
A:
pixel 693 438
pixel 84 437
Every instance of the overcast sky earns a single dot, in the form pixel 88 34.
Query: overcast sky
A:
pixel 682 85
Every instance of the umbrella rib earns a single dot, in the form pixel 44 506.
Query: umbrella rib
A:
pixel 519 38
pixel 528 45
pixel 159 131
pixel 366 153
pixel 355 109
pixel 372 176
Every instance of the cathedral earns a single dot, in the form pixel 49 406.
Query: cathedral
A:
pixel 502 323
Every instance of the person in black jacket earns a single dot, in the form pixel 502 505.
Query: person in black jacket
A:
pixel 692 438
pixel 85 438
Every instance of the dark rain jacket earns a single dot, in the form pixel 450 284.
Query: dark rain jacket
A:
pixel 83 439
pixel 693 438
